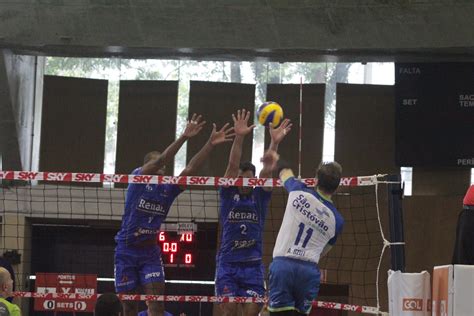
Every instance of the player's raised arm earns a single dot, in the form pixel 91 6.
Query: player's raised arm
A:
pixel 159 160
pixel 277 134
pixel 217 137
pixel 286 175
pixel 241 129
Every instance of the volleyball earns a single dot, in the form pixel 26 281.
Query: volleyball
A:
pixel 270 112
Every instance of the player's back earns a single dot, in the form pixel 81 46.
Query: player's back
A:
pixel 310 222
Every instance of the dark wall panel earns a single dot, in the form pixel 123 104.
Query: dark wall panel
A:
pixel 430 230
pixel 147 121
pixel 73 124
pixel 440 180
pixel 365 129
pixel 365 145
pixel 216 101
pixel 288 96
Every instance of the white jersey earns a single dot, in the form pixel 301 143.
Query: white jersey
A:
pixel 309 224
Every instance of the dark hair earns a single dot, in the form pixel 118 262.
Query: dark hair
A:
pixel 108 304
pixel 247 165
pixel 329 176
pixel 150 156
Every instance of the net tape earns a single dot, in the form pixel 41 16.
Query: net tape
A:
pixel 181 180
pixel 196 299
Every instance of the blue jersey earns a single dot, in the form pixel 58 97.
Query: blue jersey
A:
pixel 146 207
pixel 242 218
pixel 145 313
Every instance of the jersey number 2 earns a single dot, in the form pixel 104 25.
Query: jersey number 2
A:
pixel 243 229
pixel 309 233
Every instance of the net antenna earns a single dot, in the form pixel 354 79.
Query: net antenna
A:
pixel 300 127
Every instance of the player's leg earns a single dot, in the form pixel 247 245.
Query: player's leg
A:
pixel 226 286
pixel 228 309
pixel 251 281
pixel 251 309
pixel 281 283
pixel 130 308
pixel 155 308
pixel 126 278
pixel 152 278
pixel 308 278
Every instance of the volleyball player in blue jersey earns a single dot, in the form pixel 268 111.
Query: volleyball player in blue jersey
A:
pixel 138 265
pixel 239 269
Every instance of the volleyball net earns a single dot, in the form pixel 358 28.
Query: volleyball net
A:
pixel 57 229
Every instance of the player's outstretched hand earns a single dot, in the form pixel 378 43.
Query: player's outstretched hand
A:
pixel 278 133
pixel 221 136
pixel 194 126
pixel 241 121
pixel 270 159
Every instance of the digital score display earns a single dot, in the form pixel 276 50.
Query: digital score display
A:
pixel 177 249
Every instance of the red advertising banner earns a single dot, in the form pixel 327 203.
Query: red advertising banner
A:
pixel 65 283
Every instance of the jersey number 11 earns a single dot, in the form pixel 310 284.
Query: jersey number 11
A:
pixel 309 233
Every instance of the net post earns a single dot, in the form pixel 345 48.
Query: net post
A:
pixel 395 197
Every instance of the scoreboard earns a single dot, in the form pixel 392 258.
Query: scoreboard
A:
pixel 434 114
pixel 177 249
pixel 178 244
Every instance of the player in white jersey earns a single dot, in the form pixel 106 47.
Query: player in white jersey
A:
pixel 310 227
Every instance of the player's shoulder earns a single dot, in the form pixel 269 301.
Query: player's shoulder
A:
pixel 227 189
pixel 339 219
pixel 260 191
pixel 338 215
pixel 137 171
pixel 293 184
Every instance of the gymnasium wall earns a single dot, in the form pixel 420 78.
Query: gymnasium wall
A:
pixel 146 122
pixel 73 124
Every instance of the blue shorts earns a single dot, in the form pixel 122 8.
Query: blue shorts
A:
pixel 294 284
pixel 137 266
pixel 240 279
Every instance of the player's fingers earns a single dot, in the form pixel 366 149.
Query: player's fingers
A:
pixel 224 127
pixel 247 116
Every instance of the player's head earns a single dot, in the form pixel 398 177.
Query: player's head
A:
pixel 328 175
pixel 246 170
pixel 108 304
pixel 468 200
pixel 154 155
pixel 6 283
